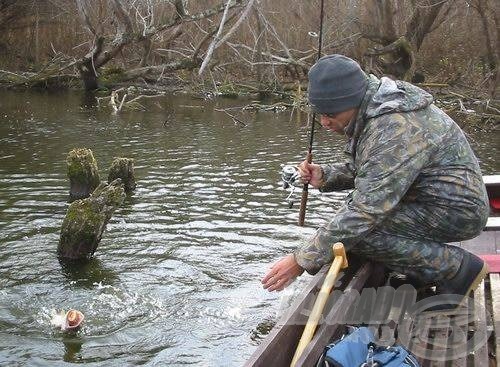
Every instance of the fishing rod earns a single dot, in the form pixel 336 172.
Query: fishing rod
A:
pixel 305 187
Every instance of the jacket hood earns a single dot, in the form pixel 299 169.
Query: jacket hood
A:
pixel 396 96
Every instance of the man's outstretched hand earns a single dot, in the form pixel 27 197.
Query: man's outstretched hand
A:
pixel 282 273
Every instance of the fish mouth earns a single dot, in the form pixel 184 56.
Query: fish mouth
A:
pixel 74 319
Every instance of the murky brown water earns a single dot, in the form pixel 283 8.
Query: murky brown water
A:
pixel 175 280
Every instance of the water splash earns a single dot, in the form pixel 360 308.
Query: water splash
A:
pixel 58 319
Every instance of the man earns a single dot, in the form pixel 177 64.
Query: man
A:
pixel 417 184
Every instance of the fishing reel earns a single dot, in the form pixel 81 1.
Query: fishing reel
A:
pixel 289 175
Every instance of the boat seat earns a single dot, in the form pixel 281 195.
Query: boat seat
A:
pixel 493 224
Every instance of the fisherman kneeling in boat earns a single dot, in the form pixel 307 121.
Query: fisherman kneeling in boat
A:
pixel 417 184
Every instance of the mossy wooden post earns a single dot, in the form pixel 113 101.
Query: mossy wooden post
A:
pixel 123 168
pixel 86 220
pixel 82 172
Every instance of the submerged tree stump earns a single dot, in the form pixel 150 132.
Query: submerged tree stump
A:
pixel 86 220
pixel 123 168
pixel 82 172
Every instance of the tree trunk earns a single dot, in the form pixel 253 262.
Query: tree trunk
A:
pixel 86 221
pixel 100 55
pixel 396 52
pixel 421 22
pixel 147 46
pixel 123 168
pixel 258 49
pixel 82 172
pixel 89 76
pixel 491 54
pixel 87 67
pixel 180 8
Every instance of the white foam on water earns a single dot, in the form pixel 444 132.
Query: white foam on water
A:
pixel 58 319
pixel 101 286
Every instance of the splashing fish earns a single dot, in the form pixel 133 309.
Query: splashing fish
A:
pixel 67 321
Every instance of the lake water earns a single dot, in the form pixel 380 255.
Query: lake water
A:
pixel 176 277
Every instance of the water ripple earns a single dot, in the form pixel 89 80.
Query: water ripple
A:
pixel 175 279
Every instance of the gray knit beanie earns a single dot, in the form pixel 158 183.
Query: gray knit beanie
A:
pixel 336 84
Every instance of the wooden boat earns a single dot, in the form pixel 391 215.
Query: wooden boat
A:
pixel 452 347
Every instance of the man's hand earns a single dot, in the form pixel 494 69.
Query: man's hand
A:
pixel 311 173
pixel 282 273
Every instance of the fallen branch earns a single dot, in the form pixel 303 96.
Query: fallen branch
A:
pixel 211 48
pixel 433 85
pixel 279 59
pixel 13 74
pixel 119 102
pixel 191 18
pixel 235 26
pixel 235 119
pixel 495 117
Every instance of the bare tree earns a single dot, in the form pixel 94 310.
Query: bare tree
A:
pixel 232 43
pixel 269 49
pixel 101 52
pixel 134 22
pixel 12 12
pixel 490 24
pixel 397 38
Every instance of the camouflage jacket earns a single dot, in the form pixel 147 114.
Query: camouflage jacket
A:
pixel 402 148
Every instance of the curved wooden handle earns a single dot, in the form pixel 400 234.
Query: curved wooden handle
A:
pixel 339 262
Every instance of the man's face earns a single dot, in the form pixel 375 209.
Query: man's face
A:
pixel 338 121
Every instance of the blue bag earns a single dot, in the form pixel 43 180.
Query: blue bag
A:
pixel 358 349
